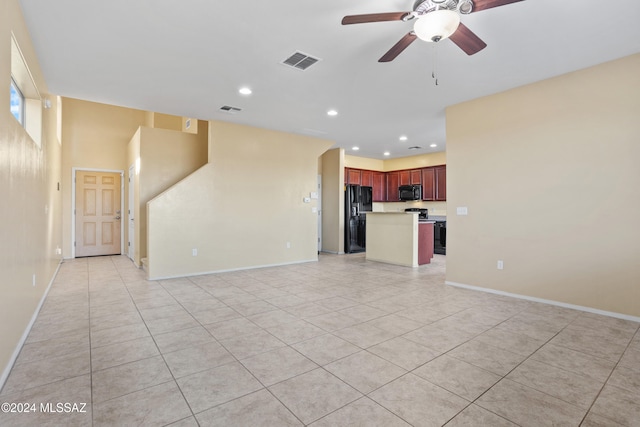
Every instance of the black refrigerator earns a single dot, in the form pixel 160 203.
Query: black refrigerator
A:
pixel 357 200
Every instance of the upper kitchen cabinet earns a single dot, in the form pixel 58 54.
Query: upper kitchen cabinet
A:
pixel 434 183
pixel 441 183
pixel 385 184
pixel 366 178
pixel 410 177
pixel 379 187
pixel 428 184
pixel 416 176
pixel 404 177
pixel 352 176
pixel 393 182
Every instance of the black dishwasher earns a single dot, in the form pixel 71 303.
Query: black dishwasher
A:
pixel 440 237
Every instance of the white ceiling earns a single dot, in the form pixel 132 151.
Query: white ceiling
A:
pixel 190 57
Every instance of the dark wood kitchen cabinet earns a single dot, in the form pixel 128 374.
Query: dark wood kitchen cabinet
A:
pixel 425 242
pixel 416 176
pixel 385 184
pixel 441 183
pixel 404 177
pixel 434 183
pixel 352 176
pixel 428 184
pixel 379 187
pixel 366 178
pixel 393 180
pixel 410 177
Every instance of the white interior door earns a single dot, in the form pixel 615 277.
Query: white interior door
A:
pixel 97 213
pixel 130 216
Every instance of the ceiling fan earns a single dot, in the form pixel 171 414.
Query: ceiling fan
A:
pixel 435 20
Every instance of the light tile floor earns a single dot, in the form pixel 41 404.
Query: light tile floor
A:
pixel 335 343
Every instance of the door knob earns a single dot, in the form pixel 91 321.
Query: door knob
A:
pixel 118 217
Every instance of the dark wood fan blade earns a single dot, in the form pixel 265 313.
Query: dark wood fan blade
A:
pixel 398 47
pixel 467 40
pixel 373 17
pixel 479 5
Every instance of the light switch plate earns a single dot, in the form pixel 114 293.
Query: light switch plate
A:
pixel 462 210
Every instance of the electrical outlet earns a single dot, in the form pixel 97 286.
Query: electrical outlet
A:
pixel 500 264
pixel 288 245
pixel 34 280
pixel 194 252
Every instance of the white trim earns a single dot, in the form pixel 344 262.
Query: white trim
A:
pixel 25 334
pixel 73 204
pixel 547 301
pixel 231 269
pixel 131 249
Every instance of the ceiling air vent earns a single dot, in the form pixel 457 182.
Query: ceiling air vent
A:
pixel 300 61
pixel 415 147
pixel 230 110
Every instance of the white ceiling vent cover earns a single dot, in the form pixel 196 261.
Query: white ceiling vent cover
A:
pixel 230 110
pixel 300 60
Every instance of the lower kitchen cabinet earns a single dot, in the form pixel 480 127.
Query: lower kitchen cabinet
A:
pixel 425 242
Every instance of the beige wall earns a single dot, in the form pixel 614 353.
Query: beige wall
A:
pixel 165 157
pixel 363 163
pixel 400 163
pixel 549 173
pixel 30 229
pixel 94 136
pixel 166 121
pixel 241 209
pixel 416 162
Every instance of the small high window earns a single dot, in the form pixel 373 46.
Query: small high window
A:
pixel 26 102
pixel 17 102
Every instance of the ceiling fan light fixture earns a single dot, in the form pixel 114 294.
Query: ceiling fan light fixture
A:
pixel 437 25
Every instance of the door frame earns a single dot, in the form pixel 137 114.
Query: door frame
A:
pixel 131 242
pixel 319 203
pixel 73 204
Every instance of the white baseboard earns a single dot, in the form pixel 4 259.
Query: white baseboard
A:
pixel 253 267
pixel 546 301
pixel 25 334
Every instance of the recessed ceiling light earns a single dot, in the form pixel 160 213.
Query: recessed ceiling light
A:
pixel 245 91
pixel 332 113
pixel 433 145
pixel 386 153
pixel 403 138
pixel 355 148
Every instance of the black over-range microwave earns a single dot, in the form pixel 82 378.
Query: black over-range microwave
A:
pixel 410 192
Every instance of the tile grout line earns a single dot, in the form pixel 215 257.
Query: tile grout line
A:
pixel 637 333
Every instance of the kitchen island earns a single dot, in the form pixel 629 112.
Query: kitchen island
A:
pixel 399 238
